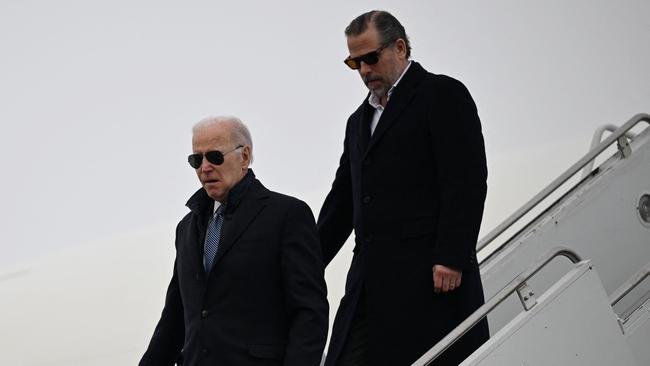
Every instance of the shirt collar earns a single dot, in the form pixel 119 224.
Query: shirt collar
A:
pixel 374 100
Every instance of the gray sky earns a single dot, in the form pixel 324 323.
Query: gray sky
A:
pixel 98 98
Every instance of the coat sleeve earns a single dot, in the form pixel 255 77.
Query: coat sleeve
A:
pixel 335 220
pixel 305 288
pixel 167 340
pixel 462 173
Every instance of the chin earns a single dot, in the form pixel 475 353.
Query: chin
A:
pixel 214 194
pixel 379 92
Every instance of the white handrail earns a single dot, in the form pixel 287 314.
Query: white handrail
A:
pixel 561 179
pixel 497 299
pixel 598 137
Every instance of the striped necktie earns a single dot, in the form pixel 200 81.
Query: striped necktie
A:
pixel 212 239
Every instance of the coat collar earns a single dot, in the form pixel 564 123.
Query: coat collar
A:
pixel 201 204
pixel 400 98
pixel 238 219
pixel 245 201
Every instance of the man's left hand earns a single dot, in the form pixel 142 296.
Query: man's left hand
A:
pixel 445 279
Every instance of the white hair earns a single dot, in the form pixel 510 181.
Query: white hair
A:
pixel 240 135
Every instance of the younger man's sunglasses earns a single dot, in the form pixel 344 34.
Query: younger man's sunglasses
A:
pixel 369 58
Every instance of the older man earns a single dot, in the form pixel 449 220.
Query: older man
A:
pixel 247 287
pixel 411 183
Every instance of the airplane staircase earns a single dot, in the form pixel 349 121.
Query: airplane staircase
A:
pixel 593 309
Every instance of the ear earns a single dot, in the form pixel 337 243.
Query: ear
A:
pixel 246 157
pixel 400 47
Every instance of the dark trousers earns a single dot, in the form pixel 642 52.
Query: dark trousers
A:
pixel 356 344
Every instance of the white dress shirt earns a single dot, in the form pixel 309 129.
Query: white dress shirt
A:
pixel 375 102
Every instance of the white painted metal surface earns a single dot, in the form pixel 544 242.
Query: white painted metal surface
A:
pixel 518 285
pixel 637 333
pixel 597 219
pixel 572 324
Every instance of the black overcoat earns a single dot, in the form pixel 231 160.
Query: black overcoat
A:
pixel 263 303
pixel 413 193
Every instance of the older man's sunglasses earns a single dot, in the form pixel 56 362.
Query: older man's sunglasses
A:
pixel 369 58
pixel 214 157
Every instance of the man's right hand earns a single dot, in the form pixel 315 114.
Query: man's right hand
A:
pixel 445 279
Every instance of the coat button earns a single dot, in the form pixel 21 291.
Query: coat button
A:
pixel 366 199
pixel 204 351
pixel 367 239
pixel 204 314
pixel 367 162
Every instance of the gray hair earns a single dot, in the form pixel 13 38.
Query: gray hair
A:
pixel 387 26
pixel 240 135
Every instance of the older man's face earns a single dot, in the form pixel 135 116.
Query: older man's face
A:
pixel 218 180
pixel 380 77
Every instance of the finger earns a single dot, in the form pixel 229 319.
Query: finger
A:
pixel 452 283
pixel 436 289
pixel 454 280
pixel 437 281
pixel 445 283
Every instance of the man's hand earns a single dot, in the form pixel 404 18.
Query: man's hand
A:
pixel 445 279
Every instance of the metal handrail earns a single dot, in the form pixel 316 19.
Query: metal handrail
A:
pixel 598 136
pixel 561 179
pixel 630 284
pixel 497 299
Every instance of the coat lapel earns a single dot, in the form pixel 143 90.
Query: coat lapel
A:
pixel 400 98
pixel 201 204
pixel 235 223
pixel 364 126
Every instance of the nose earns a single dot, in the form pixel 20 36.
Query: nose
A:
pixel 206 165
pixel 364 68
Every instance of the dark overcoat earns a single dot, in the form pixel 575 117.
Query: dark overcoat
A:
pixel 263 303
pixel 414 195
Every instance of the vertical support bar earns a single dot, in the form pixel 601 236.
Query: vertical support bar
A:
pixel 526 296
pixel 624 146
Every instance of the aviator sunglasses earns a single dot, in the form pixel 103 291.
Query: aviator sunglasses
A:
pixel 214 157
pixel 369 58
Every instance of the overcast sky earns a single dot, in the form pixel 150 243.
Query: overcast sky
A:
pixel 98 99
